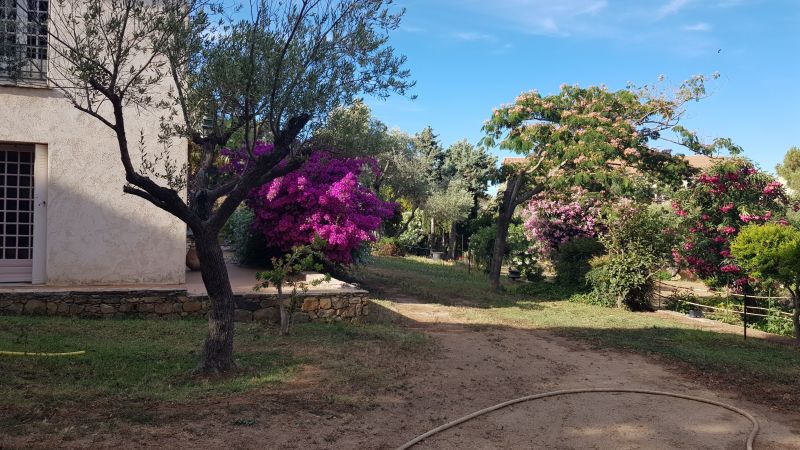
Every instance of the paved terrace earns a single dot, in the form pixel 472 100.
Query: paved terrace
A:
pixel 243 279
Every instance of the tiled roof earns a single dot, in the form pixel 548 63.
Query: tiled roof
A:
pixel 701 162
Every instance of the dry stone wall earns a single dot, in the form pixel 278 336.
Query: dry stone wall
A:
pixel 350 306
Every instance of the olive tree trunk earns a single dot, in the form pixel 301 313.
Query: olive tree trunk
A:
pixel 218 347
pixel 451 244
pixel 796 315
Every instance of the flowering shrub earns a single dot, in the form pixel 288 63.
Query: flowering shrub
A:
pixel 551 222
pixel 714 208
pixel 323 198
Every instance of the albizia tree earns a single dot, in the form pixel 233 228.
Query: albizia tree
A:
pixel 712 210
pixel 591 137
pixel 323 198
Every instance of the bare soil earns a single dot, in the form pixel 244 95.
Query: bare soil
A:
pixel 472 367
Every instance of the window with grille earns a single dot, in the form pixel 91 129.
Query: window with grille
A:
pixel 23 40
pixel 16 204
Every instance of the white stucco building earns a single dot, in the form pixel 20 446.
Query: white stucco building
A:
pixel 64 219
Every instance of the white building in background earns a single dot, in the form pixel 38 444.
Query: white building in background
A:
pixel 64 219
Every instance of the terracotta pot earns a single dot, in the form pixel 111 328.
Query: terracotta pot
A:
pixel 192 261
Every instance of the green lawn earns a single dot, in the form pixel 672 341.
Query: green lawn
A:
pixel 545 306
pixel 128 362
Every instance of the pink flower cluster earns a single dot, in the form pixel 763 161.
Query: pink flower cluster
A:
pixel 550 222
pixel 322 198
pixel 727 197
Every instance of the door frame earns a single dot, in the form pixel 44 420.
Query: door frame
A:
pixel 40 182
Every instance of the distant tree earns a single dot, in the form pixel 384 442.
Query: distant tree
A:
pixel 790 169
pixel 771 252
pixel 262 75
pixel 472 164
pixel 427 147
pixel 594 138
pixel 450 206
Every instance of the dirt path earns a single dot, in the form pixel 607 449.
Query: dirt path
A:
pixel 474 367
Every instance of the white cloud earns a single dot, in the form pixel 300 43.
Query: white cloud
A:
pixel 411 29
pixel 538 16
pixel 700 26
pixel 472 36
pixel 671 7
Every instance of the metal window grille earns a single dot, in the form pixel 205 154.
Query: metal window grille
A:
pixel 16 204
pixel 23 40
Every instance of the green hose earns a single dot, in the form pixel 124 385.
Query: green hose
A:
pixel 750 439
pixel 5 353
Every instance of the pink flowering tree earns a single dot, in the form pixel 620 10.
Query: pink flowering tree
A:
pixel 592 137
pixel 551 221
pixel 712 210
pixel 324 198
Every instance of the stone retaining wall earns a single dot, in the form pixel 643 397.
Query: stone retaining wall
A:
pixel 312 306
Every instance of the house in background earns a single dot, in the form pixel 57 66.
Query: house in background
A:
pixel 64 219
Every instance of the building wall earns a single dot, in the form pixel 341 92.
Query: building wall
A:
pixel 95 233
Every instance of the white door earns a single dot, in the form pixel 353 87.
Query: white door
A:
pixel 16 212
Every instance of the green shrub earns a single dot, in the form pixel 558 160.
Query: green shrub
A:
pixel 571 261
pixel 249 247
pixel 639 246
pixel 388 247
pixel 481 245
pixel 528 266
pixel 623 279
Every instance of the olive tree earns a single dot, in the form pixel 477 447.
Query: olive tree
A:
pixel 262 77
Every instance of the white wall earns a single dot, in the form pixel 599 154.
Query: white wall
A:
pixel 95 233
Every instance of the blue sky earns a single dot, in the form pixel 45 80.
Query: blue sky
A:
pixel 469 56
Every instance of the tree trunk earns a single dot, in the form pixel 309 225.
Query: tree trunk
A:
pixel 506 212
pixel 430 239
pixel 218 347
pixel 284 312
pixel 796 316
pixel 405 225
pixel 451 245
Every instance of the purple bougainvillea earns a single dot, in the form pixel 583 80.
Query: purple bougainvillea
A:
pixel 551 222
pixel 322 198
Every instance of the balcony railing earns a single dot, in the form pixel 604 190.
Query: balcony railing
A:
pixel 23 40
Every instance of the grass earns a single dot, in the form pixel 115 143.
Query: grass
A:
pixel 442 282
pixel 130 362
pixel 544 306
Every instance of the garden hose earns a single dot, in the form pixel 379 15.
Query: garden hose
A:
pixel 750 439
pixel 5 353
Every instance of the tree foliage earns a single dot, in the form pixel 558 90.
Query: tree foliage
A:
pixel 789 170
pixel 596 138
pixel 771 252
pixel 450 205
